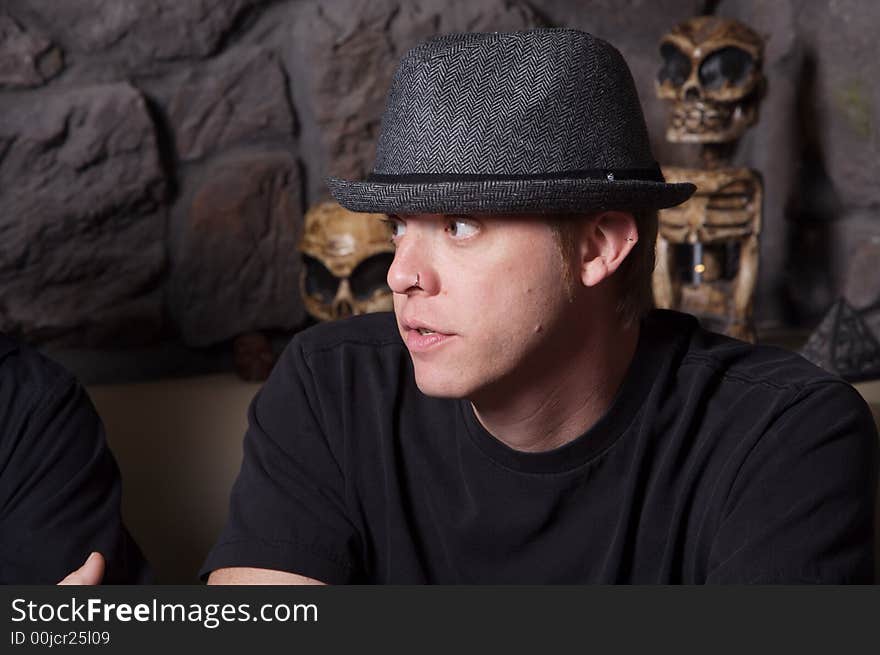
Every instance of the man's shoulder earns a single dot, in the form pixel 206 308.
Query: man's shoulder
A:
pixel 731 359
pixel 377 331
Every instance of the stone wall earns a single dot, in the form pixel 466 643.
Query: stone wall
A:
pixel 818 146
pixel 157 156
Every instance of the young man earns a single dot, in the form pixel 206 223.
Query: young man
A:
pixel 522 417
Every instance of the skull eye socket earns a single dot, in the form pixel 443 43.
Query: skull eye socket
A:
pixel 370 275
pixel 320 283
pixel 676 65
pixel 731 65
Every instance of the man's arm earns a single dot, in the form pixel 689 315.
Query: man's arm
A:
pixel 251 576
pixel 288 516
pixel 802 507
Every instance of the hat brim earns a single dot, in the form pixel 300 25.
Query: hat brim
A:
pixel 519 196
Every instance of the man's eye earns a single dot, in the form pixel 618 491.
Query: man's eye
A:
pixel 396 227
pixel 461 228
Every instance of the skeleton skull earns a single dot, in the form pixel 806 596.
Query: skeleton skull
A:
pixel 346 256
pixel 712 73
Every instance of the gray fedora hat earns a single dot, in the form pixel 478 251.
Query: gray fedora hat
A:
pixel 542 121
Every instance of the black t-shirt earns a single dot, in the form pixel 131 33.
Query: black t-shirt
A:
pixel 59 484
pixel 717 462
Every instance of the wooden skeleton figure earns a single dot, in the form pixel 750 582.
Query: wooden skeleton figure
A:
pixel 707 248
pixel 714 276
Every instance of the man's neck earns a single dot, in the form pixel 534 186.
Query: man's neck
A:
pixel 562 395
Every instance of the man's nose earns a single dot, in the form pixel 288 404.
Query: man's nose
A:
pixel 411 269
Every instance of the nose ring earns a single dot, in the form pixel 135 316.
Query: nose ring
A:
pixel 417 280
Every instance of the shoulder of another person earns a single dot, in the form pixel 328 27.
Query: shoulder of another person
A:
pixel 7 346
pixel 26 371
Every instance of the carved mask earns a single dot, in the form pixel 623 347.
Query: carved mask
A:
pixel 712 73
pixel 346 256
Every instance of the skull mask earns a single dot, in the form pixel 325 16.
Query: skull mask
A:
pixel 712 72
pixel 346 256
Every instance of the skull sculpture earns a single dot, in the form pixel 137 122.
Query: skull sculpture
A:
pixel 346 256
pixel 712 73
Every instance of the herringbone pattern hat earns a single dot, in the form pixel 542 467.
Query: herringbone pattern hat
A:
pixel 546 120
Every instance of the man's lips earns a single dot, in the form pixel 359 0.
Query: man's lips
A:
pixel 417 324
pixel 422 337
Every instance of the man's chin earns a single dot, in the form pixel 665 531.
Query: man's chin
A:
pixel 441 386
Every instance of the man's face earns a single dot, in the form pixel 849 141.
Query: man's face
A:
pixel 478 299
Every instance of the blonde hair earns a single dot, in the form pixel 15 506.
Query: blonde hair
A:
pixel 634 276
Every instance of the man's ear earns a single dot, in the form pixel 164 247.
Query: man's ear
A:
pixel 606 240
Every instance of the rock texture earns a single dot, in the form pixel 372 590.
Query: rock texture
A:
pixel 862 286
pixel 242 96
pixel 840 37
pixel 236 267
pixel 344 55
pixel 147 30
pixel 27 59
pixel 82 228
